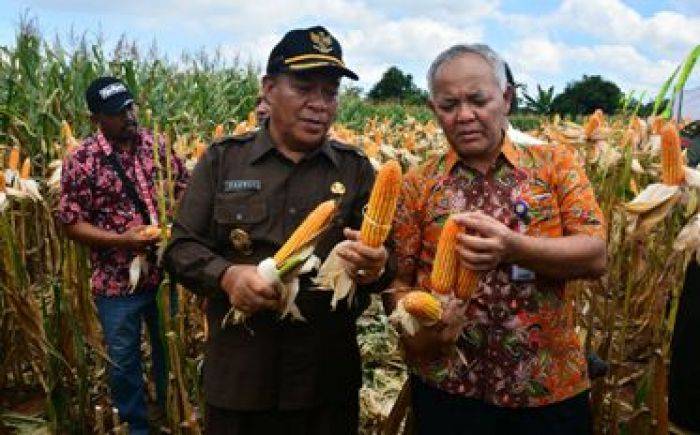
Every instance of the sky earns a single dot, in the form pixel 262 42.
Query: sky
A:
pixel 636 44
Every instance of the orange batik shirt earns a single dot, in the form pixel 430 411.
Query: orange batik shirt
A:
pixel 519 347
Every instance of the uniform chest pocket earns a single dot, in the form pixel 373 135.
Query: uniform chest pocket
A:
pixel 239 209
pixel 245 212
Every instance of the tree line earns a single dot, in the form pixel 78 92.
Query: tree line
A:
pixel 579 97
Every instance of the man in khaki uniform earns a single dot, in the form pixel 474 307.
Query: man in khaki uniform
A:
pixel 245 198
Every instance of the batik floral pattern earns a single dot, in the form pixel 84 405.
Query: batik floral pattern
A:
pixel 519 348
pixel 91 191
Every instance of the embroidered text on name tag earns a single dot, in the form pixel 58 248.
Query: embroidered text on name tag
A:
pixel 241 185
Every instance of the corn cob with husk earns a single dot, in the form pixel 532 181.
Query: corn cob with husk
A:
pixel 292 259
pixel 13 160
pixel 218 132
pixel 26 170
pixel 3 196
pixel 69 141
pixel 20 185
pixel 305 233
pixel 657 124
pixel 443 277
pixel 12 169
pixel 594 122
pixel 416 309
pixel 332 274
pixel 672 165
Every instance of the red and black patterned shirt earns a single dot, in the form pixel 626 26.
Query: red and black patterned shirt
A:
pixel 91 191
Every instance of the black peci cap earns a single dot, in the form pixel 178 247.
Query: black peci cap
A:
pixel 108 95
pixel 308 49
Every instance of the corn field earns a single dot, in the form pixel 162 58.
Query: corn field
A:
pixel 52 360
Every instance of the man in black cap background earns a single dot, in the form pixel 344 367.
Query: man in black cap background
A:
pixel 108 197
pixel 246 196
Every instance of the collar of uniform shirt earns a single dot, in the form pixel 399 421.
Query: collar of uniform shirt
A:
pixel 507 150
pixel 263 145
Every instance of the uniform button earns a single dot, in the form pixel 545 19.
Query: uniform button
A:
pixel 292 210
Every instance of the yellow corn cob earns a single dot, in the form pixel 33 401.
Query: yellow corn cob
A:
pixel 371 148
pixel 633 187
pixel 218 131
pixel 467 280
pixel 671 157
pixel 252 119
pixel 657 124
pixel 444 274
pixel 423 306
pixel 382 205
pixel 241 128
pixel 150 231
pixel 66 131
pixel 410 141
pixel 199 149
pixel 26 169
pixel 314 223
pixel 593 123
pixel 13 161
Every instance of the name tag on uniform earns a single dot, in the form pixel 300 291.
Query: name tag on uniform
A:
pixel 242 185
pixel 520 274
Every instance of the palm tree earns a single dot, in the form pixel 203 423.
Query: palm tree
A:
pixel 542 102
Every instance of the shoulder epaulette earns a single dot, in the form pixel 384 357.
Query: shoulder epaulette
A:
pixel 234 139
pixel 340 146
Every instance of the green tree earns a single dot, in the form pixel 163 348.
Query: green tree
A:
pixel 584 96
pixel 396 85
pixel 541 103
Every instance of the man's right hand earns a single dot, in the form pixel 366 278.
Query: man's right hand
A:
pixel 247 290
pixel 135 238
pixel 431 342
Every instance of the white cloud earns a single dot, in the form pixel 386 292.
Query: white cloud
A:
pixel 537 54
pixel 607 37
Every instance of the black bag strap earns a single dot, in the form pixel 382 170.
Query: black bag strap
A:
pixel 111 159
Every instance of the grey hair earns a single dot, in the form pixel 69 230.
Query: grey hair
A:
pixel 498 65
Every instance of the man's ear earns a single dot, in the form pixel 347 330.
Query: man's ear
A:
pixel 268 82
pixel 508 97
pixel 431 105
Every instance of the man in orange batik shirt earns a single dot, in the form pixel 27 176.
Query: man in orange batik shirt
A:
pixel 531 223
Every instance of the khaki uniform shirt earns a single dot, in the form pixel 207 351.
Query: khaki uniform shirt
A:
pixel 244 183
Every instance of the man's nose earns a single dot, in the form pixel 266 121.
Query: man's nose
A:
pixel 465 112
pixel 319 99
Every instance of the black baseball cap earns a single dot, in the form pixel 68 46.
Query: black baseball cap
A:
pixel 108 95
pixel 308 49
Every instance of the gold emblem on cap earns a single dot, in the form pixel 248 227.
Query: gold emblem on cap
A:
pixel 338 188
pixel 241 241
pixel 321 41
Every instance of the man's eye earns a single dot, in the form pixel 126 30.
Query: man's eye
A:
pixel 447 106
pixel 302 88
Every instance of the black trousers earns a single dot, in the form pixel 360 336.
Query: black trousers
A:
pixel 438 412
pixel 330 419
pixel 684 376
